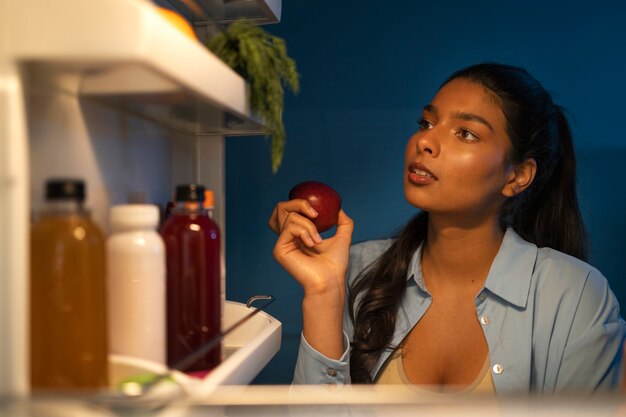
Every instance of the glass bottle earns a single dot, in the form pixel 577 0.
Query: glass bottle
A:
pixel 209 206
pixel 192 246
pixel 68 326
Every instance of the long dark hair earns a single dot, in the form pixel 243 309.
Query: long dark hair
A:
pixel 546 213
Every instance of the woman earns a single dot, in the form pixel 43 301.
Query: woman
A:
pixel 486 289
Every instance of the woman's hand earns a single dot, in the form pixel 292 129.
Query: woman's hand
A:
pixel 318 265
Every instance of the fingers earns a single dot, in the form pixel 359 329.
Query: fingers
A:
pixel 345 225
pixel 300 227
pixel 344 219
pixel 284 208
pixel 273 221
pixel 295 237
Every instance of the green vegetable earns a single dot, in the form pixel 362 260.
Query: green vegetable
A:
pixel 142 379
pixel 260 58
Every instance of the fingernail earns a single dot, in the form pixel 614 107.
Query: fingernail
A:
pixel 313 211
pixel 309 241
pixel 318 238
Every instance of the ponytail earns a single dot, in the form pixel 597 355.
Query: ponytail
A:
pixel 549 215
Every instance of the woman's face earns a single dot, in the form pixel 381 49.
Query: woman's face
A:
pixel 456 162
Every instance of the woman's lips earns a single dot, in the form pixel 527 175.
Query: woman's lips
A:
pixel 420 175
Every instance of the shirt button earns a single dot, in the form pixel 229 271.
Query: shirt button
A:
pixel 482 296
pixel 498 369
pixel 484 320
pixel 331 372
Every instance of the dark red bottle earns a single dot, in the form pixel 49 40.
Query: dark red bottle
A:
pixel 192 247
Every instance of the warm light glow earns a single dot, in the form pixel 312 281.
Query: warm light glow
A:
pixel 132 389
pixel 79 233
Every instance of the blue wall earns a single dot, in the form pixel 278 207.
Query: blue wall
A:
pixel 366 71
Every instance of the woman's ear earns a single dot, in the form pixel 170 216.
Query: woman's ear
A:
pixel 520 177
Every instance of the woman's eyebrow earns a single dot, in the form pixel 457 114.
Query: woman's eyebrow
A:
pixel 460 115
pixel 430 108
pixel 472 118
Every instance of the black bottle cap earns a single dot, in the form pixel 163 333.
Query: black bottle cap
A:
pixel 65 189
pixel 190 192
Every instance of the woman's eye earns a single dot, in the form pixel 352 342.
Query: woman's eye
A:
pixel 424 124
pixel 467 136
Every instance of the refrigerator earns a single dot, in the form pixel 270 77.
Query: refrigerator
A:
pixel 109 91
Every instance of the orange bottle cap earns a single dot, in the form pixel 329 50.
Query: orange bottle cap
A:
pixel 209 201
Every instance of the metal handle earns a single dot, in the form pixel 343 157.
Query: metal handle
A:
pixel 259 297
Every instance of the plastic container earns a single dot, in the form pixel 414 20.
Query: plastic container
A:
pixel 136 283
pixel 192 242
pixel 67 294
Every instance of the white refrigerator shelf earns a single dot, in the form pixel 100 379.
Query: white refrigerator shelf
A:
pixel 126 54
pixel 246 350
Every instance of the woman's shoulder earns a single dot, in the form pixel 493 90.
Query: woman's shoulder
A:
pixel 370 247
pixel 369 250
pixel 362 254
pixel 545 265
pixel 559 266
pixel 563 276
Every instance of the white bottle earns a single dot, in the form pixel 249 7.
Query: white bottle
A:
pixel 136 283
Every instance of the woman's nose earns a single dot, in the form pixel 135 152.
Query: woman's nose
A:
pixel 427 143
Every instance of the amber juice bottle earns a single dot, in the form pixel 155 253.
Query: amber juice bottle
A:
pixel 68 294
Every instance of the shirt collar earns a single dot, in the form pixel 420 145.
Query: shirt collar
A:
pixel 415 270
pixel 512 269
pixel 510 274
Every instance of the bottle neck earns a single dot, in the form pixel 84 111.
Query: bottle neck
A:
pixel 125 228
pixel 188 208
pixel 65 207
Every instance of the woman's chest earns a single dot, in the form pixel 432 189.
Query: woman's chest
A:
pixel 446 346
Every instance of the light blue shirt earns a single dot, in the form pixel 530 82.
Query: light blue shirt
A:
pixel 551 321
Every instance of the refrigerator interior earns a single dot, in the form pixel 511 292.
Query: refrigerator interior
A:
pixel 109 92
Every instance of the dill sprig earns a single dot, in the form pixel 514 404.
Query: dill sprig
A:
pixel 262 60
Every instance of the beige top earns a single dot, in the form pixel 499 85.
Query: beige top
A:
pixel 392 373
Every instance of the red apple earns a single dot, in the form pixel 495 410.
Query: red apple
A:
pixel 324 200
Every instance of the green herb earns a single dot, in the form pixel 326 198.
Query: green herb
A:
pixel 260 58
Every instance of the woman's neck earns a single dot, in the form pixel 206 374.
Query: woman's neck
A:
pixel 459 255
